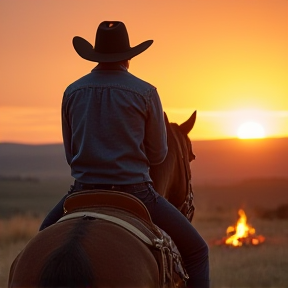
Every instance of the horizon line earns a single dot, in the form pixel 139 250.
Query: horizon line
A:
pixel 192 140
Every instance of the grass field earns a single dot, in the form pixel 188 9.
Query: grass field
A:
pixel 23 205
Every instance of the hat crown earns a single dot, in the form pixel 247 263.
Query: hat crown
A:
pixel 111 44
pixel 111 37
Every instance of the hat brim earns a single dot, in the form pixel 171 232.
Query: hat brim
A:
pixel 86 51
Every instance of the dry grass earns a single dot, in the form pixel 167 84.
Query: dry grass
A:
pixel 14 235
pixel 244 267
pixel 18 228
pixel 255 267
pixel 265 265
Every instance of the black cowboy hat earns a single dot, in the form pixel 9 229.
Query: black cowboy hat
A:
pixel 111 44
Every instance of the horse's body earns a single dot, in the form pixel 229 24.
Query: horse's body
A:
pixel 83 253
pixel 71 253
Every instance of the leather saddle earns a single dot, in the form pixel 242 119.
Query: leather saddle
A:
pixel 107 199
pixel 129 212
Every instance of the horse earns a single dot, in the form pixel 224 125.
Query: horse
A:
pixel 106 250
pixel 178 188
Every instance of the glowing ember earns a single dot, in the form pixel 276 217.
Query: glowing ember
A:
pixel 242 233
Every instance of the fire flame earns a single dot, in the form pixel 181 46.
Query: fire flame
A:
pixel 242 233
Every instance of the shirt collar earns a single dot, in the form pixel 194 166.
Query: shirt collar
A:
pixel 110 66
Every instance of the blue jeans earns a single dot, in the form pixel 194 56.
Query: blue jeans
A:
pixel 191 245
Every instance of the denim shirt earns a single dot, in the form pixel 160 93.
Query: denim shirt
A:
pixel 113 127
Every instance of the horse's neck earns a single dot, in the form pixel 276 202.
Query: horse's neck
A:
pixel 171 178
pixel 165 175
pixel 162 175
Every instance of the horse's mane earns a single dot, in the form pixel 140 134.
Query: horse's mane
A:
pixel 75 269
pixel 161 173
pixel 172 174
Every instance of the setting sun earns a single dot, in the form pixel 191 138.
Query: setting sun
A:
pixel 250 130
pixel 233 64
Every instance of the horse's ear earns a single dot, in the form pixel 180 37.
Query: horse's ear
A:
pixel 187 126
pixel 166 118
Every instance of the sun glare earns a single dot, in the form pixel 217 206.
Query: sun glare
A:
pixel 250 130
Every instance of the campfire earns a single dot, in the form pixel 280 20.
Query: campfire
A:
pixel 241 234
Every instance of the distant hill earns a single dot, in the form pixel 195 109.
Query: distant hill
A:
pixel 227 161
pixel 39 161
pixel 217 161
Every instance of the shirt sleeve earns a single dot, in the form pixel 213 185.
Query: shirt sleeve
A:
pixel 66 130
pixel 155 141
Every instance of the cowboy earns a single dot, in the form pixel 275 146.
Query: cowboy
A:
pixel 113 130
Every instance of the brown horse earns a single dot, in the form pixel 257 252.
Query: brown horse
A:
pixel 89 251
pixel 172 178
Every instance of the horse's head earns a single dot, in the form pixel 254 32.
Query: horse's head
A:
pixel 185 128
pixel 172 178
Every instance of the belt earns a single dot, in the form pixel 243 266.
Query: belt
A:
pixel 78 186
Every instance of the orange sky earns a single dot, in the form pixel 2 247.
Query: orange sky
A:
pixel 227 59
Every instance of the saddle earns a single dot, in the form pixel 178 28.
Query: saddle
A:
pixel 130 213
